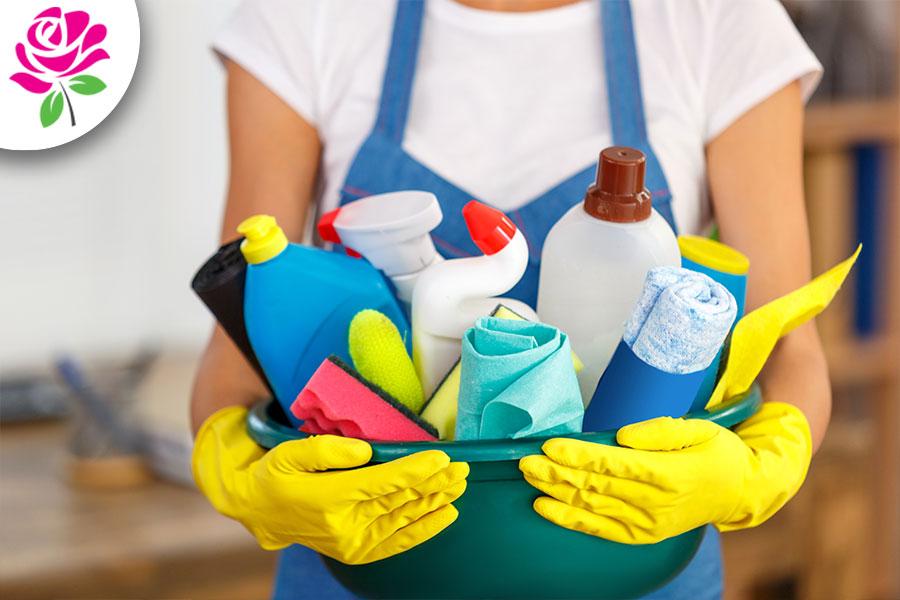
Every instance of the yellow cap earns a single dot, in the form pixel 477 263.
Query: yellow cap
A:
pixel 713 254
pixel 265 239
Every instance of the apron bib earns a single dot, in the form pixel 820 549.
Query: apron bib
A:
pixel 382 165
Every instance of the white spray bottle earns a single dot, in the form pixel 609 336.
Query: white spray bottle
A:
pixel 391 231
pixel 449 296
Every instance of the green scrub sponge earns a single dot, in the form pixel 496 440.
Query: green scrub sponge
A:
pixel 379 355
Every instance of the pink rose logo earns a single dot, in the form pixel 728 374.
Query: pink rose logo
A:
pixel 60 47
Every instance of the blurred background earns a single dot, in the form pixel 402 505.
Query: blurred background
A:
pixel 101 334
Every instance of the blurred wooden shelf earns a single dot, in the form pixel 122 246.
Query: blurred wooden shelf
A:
pixel 842 124
pixel 857 361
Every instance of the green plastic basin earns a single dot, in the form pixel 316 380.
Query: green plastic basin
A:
pixel 499 547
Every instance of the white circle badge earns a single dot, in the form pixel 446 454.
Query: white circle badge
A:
pixel 64 66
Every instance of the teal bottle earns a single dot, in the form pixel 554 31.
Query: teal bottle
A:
pixel 298 304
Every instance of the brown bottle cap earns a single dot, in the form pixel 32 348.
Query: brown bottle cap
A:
pixel 619 194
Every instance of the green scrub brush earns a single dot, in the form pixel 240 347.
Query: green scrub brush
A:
pixel 379 355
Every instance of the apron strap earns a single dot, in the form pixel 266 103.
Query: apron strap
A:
pixel 626 102
pixel 396 88
pixel 623 84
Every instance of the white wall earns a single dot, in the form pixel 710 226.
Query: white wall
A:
pixel 99 238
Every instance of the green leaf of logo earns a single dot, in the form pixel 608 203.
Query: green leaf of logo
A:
pixel 51 108
pixel 86 85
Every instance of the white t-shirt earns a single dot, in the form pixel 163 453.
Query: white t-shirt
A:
pixel 507 105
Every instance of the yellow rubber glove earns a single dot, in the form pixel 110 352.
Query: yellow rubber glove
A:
pixel 290 495
pixel 673 475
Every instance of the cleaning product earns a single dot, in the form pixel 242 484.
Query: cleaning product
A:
pixel 727 266
pixel 337 400
pixel 596 257
pixel 450 295
pixel 391 232
pixel 516 381
pixel 440 410
pixel 220 285
pixel 299 301
pixel 719 261
pixel 380 356
pixel 676 329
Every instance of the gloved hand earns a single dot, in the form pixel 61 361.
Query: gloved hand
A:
pixel 290 494
pixel 673 475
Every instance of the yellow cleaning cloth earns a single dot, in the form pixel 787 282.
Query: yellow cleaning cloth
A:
pixel 380 356
pixel 755 335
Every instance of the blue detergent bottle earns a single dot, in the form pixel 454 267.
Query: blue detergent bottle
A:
pixel 298 304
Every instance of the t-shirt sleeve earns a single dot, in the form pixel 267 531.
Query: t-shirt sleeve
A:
pixel 274 41
pixel 752 51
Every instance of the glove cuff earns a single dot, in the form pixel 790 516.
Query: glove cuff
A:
pixel 214 469
pixel 228 412
pixel 780 442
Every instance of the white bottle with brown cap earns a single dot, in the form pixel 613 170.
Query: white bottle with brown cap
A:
pixel 596 257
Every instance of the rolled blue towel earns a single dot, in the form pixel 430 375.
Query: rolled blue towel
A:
pixel 658 279
pixel 516 380
pixel 674 333
pixel 680 321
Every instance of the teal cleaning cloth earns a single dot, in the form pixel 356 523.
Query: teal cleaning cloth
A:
pixel 516 380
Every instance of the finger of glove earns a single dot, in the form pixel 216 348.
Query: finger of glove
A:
pixel 622 487
pixel 320 453
pixel 387 525
pixel 413 534
pixel 600 458
pixel 398 475
pixel 578 519
pixel 602 468
pixel 667 434
pixel 442 480
pixel 600 504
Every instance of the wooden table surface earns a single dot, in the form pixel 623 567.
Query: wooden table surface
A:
pixel 158 540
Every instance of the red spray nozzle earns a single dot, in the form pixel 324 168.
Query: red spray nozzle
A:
pixel 326 227
pixel 329 233
pixel 489 228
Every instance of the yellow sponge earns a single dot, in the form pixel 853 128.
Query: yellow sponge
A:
pixel 379 355
pixel 440 410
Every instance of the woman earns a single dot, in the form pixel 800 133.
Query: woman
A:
pixel 503 100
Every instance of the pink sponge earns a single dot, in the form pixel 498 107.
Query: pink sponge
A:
pixel 338 400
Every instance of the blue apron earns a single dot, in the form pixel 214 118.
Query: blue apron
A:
pixel 381 165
